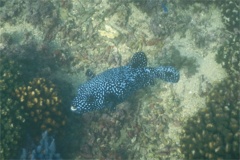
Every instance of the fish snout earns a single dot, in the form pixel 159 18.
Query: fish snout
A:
pixel 73 108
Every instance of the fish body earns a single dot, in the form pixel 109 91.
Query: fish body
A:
pixel 115 85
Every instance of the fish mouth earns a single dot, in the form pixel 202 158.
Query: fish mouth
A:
pixel 76 110
pixel 73 108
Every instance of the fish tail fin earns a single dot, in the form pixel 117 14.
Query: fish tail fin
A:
pixel 167 73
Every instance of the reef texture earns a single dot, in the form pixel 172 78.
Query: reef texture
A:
pixel 26 102
pixel 36 106
pixel 230 14
pixel 120 134
pixel 229 54
pixel 11 118
pixel 43 37
pixel 214 132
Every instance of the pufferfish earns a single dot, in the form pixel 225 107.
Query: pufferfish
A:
pixel 116 85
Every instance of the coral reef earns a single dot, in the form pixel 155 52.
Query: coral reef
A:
pixel 11 119
pixel 229 54
pixel 230 14
pixel 166 24
pixel 38 36
pixel 163 25
pixel 36 105
pixel 229 10
pixel 9 71
pixel 19 64
pixel 41 105
pixel 218 124
pixel 11 131
pixel 35 59
pixel 214 132
pixel 104 137
pixel 46 150
pixel 44 14
pixel 150 6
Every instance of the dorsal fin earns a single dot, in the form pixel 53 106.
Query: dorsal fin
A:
pixel 138 60
pixel 89 73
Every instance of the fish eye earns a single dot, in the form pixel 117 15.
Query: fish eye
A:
pixel 90 99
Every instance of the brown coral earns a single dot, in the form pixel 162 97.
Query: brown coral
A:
pixel 41 104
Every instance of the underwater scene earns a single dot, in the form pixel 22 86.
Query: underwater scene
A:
pixel 119 79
